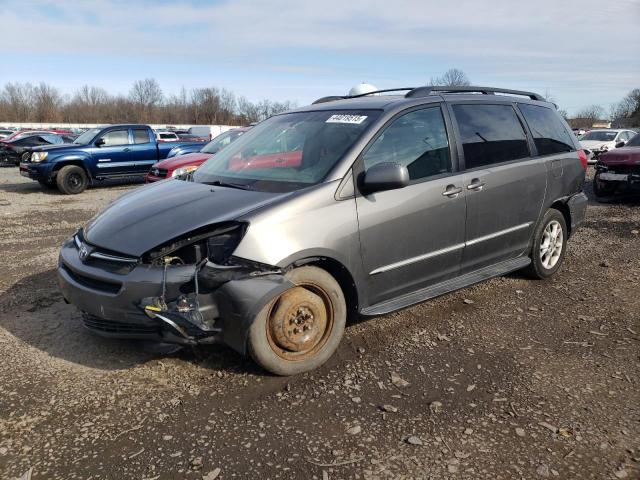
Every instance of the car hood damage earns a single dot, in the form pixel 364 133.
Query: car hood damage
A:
pixel 622 156
pixel 131 225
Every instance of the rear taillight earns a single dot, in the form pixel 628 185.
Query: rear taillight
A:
pixel 583 159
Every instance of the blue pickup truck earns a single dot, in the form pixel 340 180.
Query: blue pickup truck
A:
pixel 113 151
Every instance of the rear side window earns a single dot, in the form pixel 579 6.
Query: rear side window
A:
pixel 417 140
pixel 490 134
pixel 116 137
pixel 549 135
pixel 140 135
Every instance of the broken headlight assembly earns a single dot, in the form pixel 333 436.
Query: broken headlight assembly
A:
pixel 215 244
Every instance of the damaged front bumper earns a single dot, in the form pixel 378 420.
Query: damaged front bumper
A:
pixel 620 177
pixel 185 304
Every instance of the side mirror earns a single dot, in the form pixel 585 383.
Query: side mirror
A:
pixel 385 176
pixel 100 142
pixel 621 143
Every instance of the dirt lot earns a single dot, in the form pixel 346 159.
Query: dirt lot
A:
pixel 510 379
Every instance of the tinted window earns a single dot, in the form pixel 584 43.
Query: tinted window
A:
pixel 635 141
pixel 417 140
pixel 490 134
pixel 140 135
pixel 548 132
pixel 116 137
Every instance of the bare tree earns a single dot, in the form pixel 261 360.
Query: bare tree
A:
pixel 452 78
pixel 46 101
pixel 626 113
pixel 18 101
pixel 592 112
pixel 145 103
pixel 146 95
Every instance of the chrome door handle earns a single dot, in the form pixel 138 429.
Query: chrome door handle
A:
pixel 475 184
pixel 452 191
pixel 127 150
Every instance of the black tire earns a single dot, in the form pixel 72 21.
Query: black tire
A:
pixel 72 179
pixel 539 268
pixel 600 189
pixel 273 340
pixel 47 184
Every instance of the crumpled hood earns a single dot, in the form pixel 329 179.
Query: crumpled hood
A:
pixel 183 161
pixel 157 213
pixel 621 156
pixel 595 144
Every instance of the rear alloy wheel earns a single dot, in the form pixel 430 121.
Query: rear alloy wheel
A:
pixel 72 180
pixel 300 329
pixel 549 245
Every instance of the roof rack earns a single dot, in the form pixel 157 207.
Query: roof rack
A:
pixel 333 98
pixel 425 91
pixel 428 90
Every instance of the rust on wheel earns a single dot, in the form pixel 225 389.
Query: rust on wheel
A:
pixel 300 322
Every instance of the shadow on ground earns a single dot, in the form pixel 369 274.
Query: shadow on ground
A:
pixel 28 187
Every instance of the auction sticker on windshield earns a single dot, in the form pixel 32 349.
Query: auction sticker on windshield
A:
pixel 355 119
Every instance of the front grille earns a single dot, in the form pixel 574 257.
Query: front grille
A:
pixel 107 326
pixel 92 283
pixel 159 172
pixel 625 169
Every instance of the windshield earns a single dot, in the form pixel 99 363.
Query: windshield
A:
pixel 221 141
pixel 600 136
pixel 287 152
pixel 87 136
pixel 634 142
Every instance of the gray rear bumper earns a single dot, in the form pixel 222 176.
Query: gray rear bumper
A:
pixel 578 207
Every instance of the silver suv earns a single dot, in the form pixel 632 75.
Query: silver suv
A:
pixel 352 206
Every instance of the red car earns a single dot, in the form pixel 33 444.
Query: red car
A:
pixel 618 170
pixel 182 164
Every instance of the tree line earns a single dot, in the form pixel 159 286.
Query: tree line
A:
pixel 144 103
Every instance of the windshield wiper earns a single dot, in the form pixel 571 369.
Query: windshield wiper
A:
pixel 220 183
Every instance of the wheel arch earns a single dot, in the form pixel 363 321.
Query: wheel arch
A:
pixel 563 208
pixel 71 161
pixel 341 274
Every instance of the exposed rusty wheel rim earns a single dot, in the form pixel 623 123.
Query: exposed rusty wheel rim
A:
pixel 300 322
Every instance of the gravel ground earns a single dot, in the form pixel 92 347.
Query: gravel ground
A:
pixel 510 379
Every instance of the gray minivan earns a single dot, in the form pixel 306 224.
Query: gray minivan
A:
pixel 352 206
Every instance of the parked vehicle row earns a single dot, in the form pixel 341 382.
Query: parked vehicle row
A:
pixel 598 141
pixel 354 206
pixel 618 170
pixel 186 158
pixel 114 151
pixel 19 147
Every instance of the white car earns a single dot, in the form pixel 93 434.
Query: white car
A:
pixel 595 142
pixel 167 137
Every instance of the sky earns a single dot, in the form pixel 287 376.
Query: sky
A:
pixel 578 52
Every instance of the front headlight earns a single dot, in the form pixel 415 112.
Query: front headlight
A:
pixel 37 157
pixel 178 172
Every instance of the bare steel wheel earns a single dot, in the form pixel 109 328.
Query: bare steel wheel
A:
pixel 301 328
pixel 552 244
pixel 549 245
